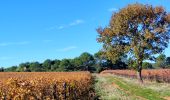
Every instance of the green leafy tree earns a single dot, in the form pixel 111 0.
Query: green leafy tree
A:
pixel 55 66
pixel 36 67
pixel 103 63
pixel 23 67
pixel 65 65
pixel 138 30
pixel 168 62
pixel 161 61
pixel 147 65
pixel 1 69
pixel 99 58
pixel 77 63
pixel 87 61
pixel 131 63
pixel 11 69
pixel 47 64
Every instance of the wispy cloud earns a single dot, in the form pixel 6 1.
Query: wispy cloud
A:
pixel 66 49
pixel 71 24
pixel 61 27
pixel 112 9
pixel 76 22
pixel 14 43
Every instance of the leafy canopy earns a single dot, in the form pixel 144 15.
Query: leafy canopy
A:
pixel 137 30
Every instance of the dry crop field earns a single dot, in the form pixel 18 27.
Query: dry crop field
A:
pixel 159 75
pixel 45 85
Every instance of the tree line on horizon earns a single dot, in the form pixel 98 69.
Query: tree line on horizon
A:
pixel 86 62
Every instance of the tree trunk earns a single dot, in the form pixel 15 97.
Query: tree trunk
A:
pixel 139 73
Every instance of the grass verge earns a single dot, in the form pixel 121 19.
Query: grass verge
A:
pixel 110 87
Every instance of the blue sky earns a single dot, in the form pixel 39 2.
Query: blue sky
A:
pixel 35 30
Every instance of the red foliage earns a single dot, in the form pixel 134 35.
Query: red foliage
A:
pixel 159 75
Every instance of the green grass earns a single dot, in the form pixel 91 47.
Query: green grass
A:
pixel 162 88
pixel 129 89
pixel 106 91
pixel 137 90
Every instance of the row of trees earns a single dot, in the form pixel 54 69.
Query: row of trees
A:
pixel 161 61
pixel 83 62
pixel 86 62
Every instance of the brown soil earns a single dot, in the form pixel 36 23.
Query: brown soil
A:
pixel 167 98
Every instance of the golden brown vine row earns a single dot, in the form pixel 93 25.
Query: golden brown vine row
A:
pixel 46 86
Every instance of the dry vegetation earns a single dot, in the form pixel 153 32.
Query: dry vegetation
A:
pixel 44 85
pixel 159 75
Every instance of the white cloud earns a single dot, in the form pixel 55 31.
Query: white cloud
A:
pixel 74 23
pixel 61 27
pixel 14 43
pixel 112 9
pixel 66 49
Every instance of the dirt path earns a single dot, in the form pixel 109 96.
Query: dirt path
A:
pixel 167 98
pixel 127 92
pixel 134 90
